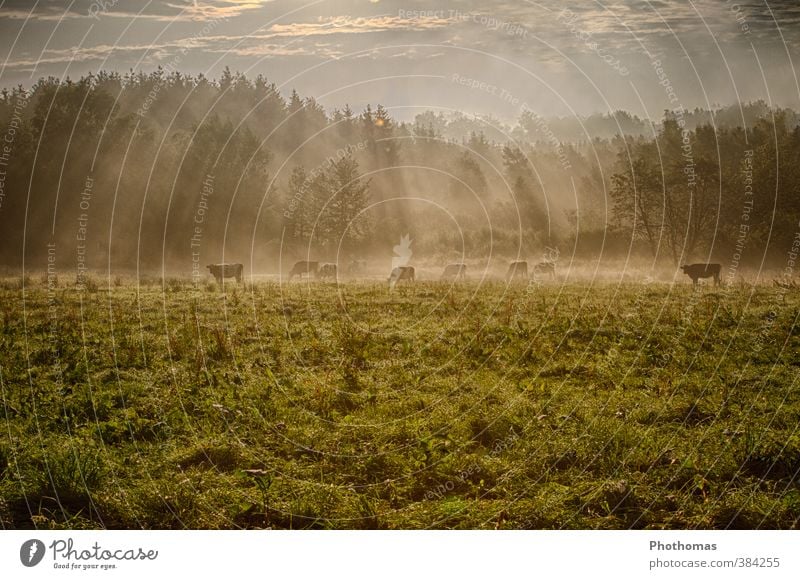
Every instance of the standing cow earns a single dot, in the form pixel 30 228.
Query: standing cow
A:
pixel 223 270
pixel 517 269
pixel 698 270
pixel 327 271
pixel 401 273
pixel 304 267
pixel 455 271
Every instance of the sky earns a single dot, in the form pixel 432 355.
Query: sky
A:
pixel 490 57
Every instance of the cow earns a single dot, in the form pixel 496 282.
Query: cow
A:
pixel 517 269
pixel 223 270
pixel 455 271
pixel 304 267
pixel 698 270
pixel 401 273
pixel 545 267
pixel 327 270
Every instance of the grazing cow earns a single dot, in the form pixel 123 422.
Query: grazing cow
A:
pixel 545 267
pixel 698 270
pixel 223 270
pixel 401 273
pixel 517 269
pixel 327 270
pixel 455 271
pixel 304 267
pixel 356 266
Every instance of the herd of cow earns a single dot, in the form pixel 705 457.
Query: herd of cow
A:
pixel 329 271
pixel 453 271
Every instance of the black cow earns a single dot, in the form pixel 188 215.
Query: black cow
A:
pixel 223 270
pixel 327 270
pixel 698 270
pixel 304 267
pixel 517 269
pixel 545 267
pixel 401 273
pixel 455 271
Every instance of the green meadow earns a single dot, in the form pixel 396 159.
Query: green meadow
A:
pixel 346 406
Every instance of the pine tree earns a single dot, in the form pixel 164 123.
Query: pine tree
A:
pixel 349 196
pixel 297 210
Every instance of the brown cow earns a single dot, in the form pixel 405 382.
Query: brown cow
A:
pixel 304 267
pixel 698 270
pixel 223 270
pixel 517 269
pixel 401 273
pixel 327 270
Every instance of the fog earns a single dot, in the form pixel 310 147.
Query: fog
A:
pixel 630 138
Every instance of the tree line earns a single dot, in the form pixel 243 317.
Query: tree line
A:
pixel 185 169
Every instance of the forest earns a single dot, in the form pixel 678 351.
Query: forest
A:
pixel 160 171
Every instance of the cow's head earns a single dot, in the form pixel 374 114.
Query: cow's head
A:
pixel 684 268
pixel 210 267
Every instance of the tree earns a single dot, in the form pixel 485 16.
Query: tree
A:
pixel 472 181
pixel 636 190
pixel 348 197
pixel 667 191
pixel 298 206
pixel 525 187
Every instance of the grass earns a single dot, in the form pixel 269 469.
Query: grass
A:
pixel 435 406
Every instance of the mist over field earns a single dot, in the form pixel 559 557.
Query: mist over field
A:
pixel 162 172
pixel 153 165
pixel 398 264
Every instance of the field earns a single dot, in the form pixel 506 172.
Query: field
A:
pixel 475 406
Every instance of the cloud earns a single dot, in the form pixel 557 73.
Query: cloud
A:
pixel 189 11
pixel 44 15
pixel 360 25
pixel 262 49
pixel 99 52
pixel 158 52
pixel 205 10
